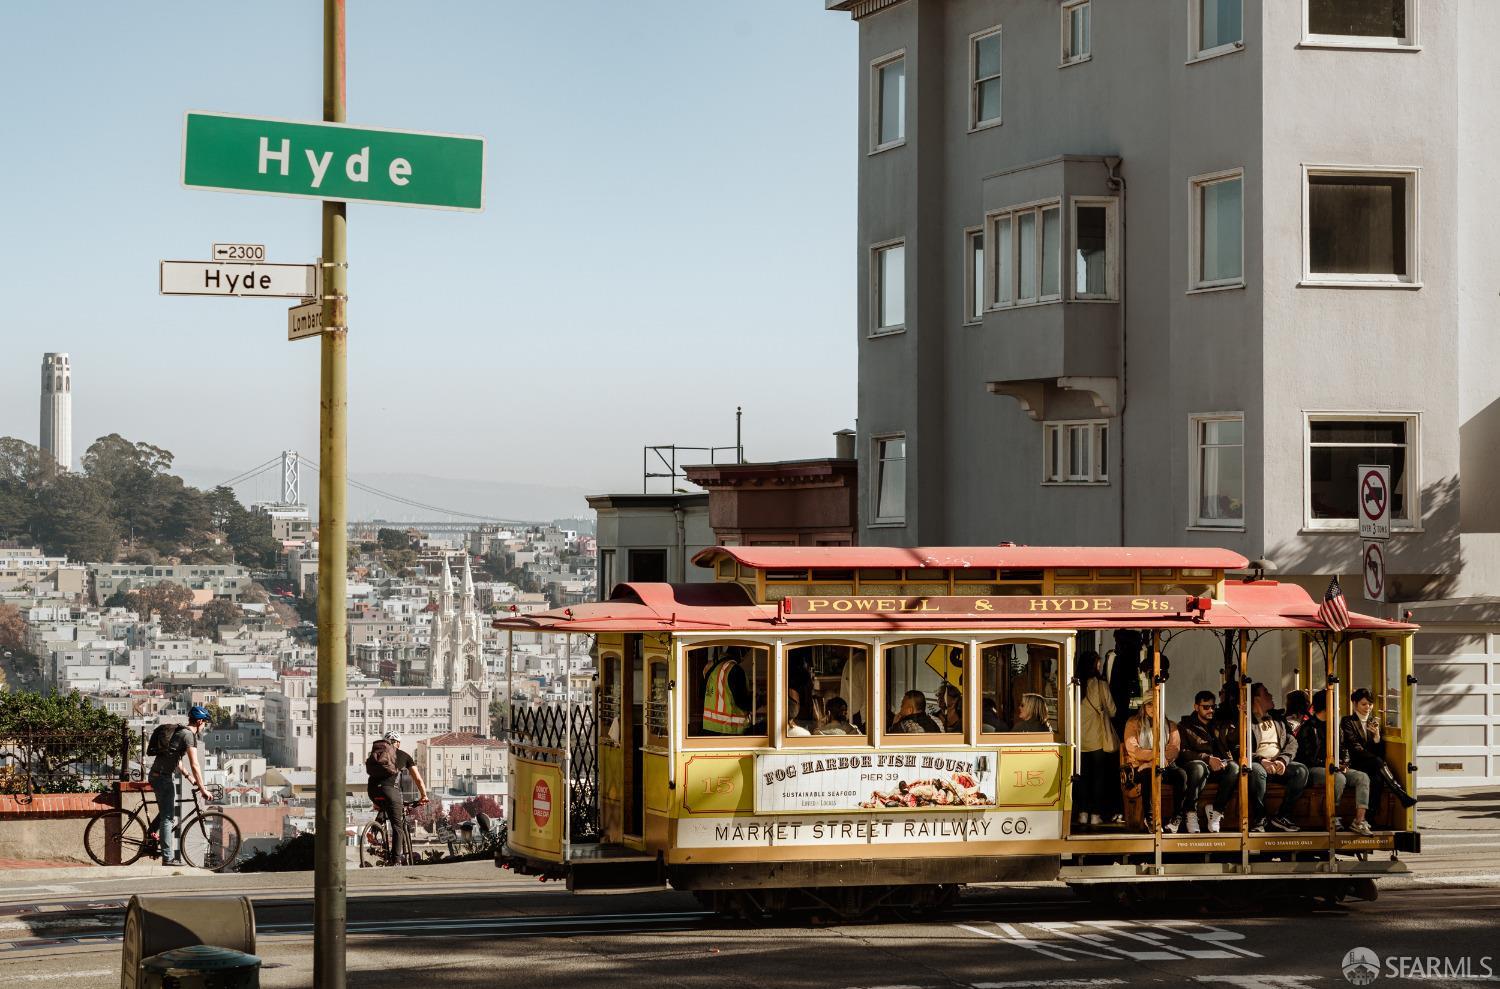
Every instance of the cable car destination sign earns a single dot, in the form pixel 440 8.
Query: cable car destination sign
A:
pixel 944 606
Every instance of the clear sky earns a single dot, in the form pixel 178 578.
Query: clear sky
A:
pixel 668 232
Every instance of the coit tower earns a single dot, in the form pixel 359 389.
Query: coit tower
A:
pixel 57 409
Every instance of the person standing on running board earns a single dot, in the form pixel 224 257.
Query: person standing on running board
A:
pixel 166 769
pixel 385 765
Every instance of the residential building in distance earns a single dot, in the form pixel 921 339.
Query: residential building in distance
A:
pixel 220 580
pixel 447 760
pixel 1133 277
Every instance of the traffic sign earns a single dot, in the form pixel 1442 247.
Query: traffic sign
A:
pixel 272 281
pixel 332 161
pixel 1374 499
pixel 305 320
pixel 1373 566
pixel 239 252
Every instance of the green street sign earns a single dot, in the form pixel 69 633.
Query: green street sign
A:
pixel 332 161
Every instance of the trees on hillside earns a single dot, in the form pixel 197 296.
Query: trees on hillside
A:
pixel 169 603
pixel 216 613
pixel 125 503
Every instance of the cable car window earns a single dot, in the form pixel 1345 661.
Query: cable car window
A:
pixel 656 708
pixel 609 700
pixel 923 690
pixel 1019 688
pixel 828 686
pixel 1390 701
pixel 727 691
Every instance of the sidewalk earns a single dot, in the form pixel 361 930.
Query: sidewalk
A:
pixel 1469 809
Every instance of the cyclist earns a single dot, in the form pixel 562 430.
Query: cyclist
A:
pixel 385 765
pixel 166 769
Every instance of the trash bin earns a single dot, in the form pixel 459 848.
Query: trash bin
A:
pixel 157 924
pixel 201 966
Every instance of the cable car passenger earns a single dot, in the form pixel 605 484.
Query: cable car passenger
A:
pixel 726 695
pixel 1313 752
pixel 913 718
pixel 1140 754
pixel 1274 757
pixel 1033 714
pixel 838 722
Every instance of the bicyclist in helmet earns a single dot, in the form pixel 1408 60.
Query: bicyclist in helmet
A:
pixel 166 770
pixel 385 765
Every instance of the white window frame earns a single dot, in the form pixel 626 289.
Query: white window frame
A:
pixel 1069 57
pixel 975 124
pixel 1195 479
pixel 876 443
pixel 877 96
pixel 975 298
pixel 1195 35
pixel 877 283
pixel 1413 420
pixel 1410 43
pixel 992 244
pixel 1057 435
pixel 1413 277
pixel 1111 248
pixel 1196 185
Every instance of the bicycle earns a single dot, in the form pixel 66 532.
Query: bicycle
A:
pixel 206 837
pixel 376 839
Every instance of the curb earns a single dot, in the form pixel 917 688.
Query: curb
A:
pixel 19 877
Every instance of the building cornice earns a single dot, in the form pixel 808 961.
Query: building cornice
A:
pixel 860 8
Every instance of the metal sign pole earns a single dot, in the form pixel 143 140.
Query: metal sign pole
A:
pixel 329 907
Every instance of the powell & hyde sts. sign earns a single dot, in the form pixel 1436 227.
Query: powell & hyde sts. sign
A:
pixel 1032 607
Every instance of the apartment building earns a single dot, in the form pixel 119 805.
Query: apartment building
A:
pixel 1165 272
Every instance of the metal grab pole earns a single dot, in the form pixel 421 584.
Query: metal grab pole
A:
pixel 1159 729
pixel 510 723
pixel 329 907
pixel 567 745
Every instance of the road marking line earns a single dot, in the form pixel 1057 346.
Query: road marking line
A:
pixel 1016 938
pixel 1261 981
pixel 1058 927
pixel 1150 937
pixel 54 977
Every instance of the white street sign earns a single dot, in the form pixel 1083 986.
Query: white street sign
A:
pixel 305 320
pixel 1374 501
pixel 272 281
pixel 1373 566
pixel 240 252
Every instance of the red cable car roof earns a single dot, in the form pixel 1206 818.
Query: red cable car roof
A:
pixel 1013 557
pixel 726 606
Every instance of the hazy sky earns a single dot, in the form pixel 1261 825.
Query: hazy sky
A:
pixel 668 232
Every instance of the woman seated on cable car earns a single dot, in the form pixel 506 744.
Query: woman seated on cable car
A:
pixel 1033 714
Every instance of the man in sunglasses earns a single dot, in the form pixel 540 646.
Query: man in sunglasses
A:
pixel 1206 755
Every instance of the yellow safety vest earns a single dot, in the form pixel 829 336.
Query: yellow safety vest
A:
pixel 721 714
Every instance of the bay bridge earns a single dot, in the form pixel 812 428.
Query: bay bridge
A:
pixel 288 467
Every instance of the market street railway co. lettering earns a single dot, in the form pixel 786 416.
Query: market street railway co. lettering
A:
pixel 871 829
pixel 1036 607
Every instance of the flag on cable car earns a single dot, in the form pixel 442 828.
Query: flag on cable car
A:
pixel 1333 612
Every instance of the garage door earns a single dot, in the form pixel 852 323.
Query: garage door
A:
pixel 1458 706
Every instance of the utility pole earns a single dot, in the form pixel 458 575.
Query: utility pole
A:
pixel 329 906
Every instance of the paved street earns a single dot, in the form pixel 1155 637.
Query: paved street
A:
pixel 472 925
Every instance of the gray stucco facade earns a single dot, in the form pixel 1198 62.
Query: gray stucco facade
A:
pixel 1280 349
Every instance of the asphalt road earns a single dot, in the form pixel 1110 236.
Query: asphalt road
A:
pixel 470 925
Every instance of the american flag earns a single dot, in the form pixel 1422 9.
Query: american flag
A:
pixel 1333 612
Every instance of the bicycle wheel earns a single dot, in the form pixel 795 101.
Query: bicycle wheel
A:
pixel 210 840
pixel 373 845
pixel 126 828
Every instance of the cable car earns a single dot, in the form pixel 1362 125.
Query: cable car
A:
pixel 844 728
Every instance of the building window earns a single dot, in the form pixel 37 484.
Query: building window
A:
pixel 648 565
pixel 1361 227
pixel 1075 452
pixel 973 274
pixel 1338 444
pixel 890 478
pixel 888 101
pixel 888 285
pixel 984 71
pixel 1360 23
pixel 1077 45
pixel 1218 27
pixel 1095 248
pixel 1028 255
pixel 606 572
pixel 1218 233
pixel 1219 470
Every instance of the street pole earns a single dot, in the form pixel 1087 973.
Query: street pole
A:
pixel 329 912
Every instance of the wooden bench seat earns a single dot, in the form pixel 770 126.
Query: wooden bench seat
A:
pixel 1306 812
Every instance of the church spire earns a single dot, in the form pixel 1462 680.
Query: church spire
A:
pixel 445 593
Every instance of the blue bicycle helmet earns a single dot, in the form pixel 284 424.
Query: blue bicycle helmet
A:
pixel 199 713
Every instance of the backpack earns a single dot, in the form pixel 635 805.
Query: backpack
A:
pixel 381 762
pixel 162 739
